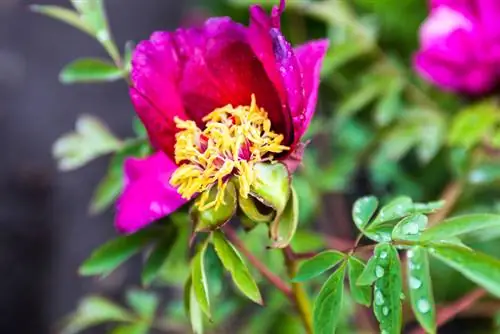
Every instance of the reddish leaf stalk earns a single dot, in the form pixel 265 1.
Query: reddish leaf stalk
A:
pixel 270 276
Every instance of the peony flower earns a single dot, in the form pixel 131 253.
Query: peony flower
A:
pixel 460 45
pixel 217 101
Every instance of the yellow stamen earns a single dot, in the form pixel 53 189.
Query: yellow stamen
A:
pixel 234 139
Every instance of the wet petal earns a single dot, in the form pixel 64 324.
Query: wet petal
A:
pixel 155 71
pixel 147 195
pixel 220 69
pixel 281 65
pixel 310 57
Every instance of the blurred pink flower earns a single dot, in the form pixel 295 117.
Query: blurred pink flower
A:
pixel 460 45
pixel 236 80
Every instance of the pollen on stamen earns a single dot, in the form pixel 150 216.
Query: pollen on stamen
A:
pixel 234 139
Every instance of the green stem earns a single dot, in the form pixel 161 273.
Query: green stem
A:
pixel 300 297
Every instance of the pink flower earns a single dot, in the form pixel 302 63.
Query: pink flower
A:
pixel 218 99
pixel 460 45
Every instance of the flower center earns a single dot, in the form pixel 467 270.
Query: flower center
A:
pixel 234 139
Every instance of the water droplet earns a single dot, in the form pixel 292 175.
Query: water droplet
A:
pixel 102 35
pixel 423 305
pixel 415 283
pixel 385 310
pixel 379 298
pixel 383 255
pixel 379 271
pixel 409 254
pixel 402 296
pixel 411 228
pixel 155 207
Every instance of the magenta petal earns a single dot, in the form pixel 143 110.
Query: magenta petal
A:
pixel 489 12
pixel 465 6
pixel 159 124
pixel 221 69
pixel 279 61
pixel 155 72
pixel 310 57
pixel 147 195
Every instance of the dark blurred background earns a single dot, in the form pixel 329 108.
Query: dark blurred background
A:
pixel 45 230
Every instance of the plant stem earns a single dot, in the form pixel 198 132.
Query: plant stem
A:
pixel 261 267
pixel 449 312
pixel 300 296
pixel 450 195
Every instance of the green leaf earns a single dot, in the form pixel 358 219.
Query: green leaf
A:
pixel 410 227
pixel 113 253
pixel 457 226
pixel 139 128
pixel 144 303
pixel 283 228
pixel 341 54
pixel 328 304
pixel 111 185
pixel 127 58
pixel 473 123
pixel 432 128
pixel 106 193
pixel 360 98
pixel 92 13
pixel 193 308
pixel 361 294
pixel 89 70
pixel 199 280
pixel 138 328
pixel 272 185
pixel 90 140
pixel 480 268
pixel 398 141
pixel 363 210
pixel 390 104
pixel 387 289
pixel 158 256
pixel 65 15
pixel 484 173
pixel 93 311
pixel 232 261
pixel 318 264
pixel 420 288
pixel 254 209
pixel 367 276
pixel 395 209
pixel 426 208
pixel 210 219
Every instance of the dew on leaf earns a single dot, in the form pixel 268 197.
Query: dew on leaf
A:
pixel 379 271
pixel 385 310
pixel 379 298
pixel 423 305
pixel 415 283
pixel 411 228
